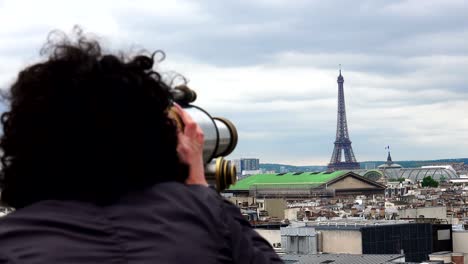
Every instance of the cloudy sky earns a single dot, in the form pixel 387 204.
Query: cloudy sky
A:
pixel 270 66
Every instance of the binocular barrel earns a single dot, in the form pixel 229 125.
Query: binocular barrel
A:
pixel 220 134
pixel 220 139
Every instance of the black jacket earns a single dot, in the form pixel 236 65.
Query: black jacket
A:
pixel 168 223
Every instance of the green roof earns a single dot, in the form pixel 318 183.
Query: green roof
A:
pixel 306 178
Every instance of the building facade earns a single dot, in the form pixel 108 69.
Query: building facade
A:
pixel 250 164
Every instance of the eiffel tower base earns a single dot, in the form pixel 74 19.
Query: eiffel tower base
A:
pixel 344 166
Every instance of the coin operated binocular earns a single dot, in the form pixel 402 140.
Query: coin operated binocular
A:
pixel 220 139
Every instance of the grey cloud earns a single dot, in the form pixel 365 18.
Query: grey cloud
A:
pixel 341 25
pixel 270 66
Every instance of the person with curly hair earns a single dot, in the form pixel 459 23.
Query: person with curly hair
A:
pixel 98 172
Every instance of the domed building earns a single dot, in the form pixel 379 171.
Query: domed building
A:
pixel 389 165
pixel 438 173
pixel 389 170
pixel 392 171
pixel 374 175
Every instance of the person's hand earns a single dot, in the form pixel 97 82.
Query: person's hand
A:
pixel 190 147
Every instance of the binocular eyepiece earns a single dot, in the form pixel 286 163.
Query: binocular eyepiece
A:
pixel 220 139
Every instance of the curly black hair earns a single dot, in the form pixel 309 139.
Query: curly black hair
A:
pixel 87 126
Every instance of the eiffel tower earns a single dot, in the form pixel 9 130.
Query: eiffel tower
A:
pixel 342 142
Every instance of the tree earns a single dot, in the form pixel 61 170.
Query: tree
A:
pixel 442 178
pixel 429 182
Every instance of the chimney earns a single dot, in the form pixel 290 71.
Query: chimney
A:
pixel 458 258
pixel 382 212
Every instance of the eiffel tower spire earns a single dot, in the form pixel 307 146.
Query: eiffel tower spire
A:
pixel 342 142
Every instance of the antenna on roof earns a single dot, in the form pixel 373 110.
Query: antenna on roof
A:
pixel 340 68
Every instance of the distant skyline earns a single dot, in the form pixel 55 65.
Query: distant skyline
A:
pixel 270 66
